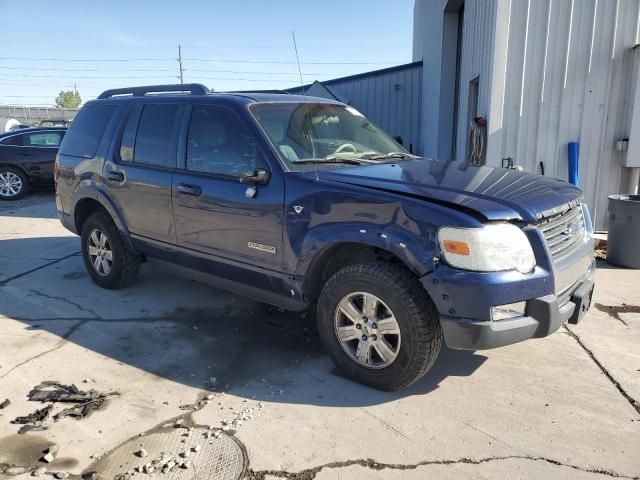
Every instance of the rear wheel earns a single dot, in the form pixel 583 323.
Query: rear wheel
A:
pixel 13 183
pixel 378 325
pixel 108 261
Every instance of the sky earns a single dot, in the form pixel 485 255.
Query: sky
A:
pixel 227 45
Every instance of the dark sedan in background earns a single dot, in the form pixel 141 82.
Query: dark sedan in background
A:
pixel 27 157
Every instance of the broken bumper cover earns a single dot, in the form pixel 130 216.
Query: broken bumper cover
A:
pixel 543 315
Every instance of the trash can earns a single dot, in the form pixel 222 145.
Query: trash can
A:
pixel 623 244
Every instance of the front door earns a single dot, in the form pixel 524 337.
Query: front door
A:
pixel 214 212
pixel 141 173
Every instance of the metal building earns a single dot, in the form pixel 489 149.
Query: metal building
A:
pixel 542 73
pixel 30 114
pixel 391 98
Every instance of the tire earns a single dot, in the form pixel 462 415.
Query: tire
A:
pixel 123 266
pixel 418 343
pixel 13 183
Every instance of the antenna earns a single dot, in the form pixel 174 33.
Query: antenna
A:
pixel 313 148
pixel 295 47
pixel 180 64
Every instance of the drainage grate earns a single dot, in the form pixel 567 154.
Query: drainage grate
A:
pixel 221 458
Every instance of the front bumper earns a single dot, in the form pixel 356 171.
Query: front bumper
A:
pixel 543 316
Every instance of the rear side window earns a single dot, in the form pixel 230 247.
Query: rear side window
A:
pixel 157 135
pixel 86 131
pixel 14 140
pixel 44 139
pixel 128 141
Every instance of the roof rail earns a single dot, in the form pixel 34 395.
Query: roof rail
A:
pixel 192 88
pixel 281 92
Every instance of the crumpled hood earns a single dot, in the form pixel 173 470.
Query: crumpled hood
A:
pixel 494 193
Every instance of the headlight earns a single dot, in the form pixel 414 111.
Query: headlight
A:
pixel 492 248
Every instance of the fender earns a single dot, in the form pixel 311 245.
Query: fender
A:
pixel 88 188
pixel 418 256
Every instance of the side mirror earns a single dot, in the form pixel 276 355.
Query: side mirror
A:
pixel 260 177
pixel 398 139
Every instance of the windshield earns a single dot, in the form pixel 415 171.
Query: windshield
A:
pixel 332 135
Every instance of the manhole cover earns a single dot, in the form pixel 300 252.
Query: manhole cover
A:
pixel 206 458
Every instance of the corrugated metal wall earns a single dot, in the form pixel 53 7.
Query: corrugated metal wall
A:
pixel 551 72
pixel 568 79
pixel 391 100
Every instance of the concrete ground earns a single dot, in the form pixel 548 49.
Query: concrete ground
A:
pixel 559 407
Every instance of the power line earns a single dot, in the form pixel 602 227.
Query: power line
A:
pixel 273 62
pixel 218 46
pixel 155 70
pixel 87 59
pixel 278 62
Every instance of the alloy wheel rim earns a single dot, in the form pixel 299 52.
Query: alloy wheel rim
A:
pixel 367 330
pixel 100 253
pixel 10 184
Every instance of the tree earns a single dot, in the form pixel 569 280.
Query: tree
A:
pixel 68 99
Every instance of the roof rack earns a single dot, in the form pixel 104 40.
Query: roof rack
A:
pixel 192 88
pixel 282 92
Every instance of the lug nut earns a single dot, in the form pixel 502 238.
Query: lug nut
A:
pixel 364 337
pixel 374 337
pixel 373 325
pixel 358 326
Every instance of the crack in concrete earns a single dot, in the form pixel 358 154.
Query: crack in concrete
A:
pixel 310 473
pixel 615 310
pixel 59 344
pixel 65 300
pixel 10 279
pixel 633 402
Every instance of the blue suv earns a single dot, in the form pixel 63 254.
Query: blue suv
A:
pixel 302 203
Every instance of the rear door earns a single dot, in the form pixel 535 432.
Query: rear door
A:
pixel 216 214
pixel 140 174
pixel 39 149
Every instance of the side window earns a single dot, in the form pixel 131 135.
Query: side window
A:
pixel 128 141
pixel 157 135
pixel 44 139
pixel 219 144
pixel 15 140
pixel 86 131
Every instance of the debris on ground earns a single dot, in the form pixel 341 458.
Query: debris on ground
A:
pixel 39 471
pixel 33 421
pixel 85 402
pixel 50 454
pixel 5 404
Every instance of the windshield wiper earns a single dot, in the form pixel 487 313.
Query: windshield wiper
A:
pixel 383 156
pixel 350 161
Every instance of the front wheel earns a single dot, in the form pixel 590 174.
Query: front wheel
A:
pixel 378 325
pixel 107 259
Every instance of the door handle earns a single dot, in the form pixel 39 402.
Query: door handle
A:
pixel 187 189
pixel 115 176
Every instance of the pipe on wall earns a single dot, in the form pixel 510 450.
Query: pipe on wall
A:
pixel 574 160
pixel 634 179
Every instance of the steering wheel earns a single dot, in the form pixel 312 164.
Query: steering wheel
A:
pixel 343 147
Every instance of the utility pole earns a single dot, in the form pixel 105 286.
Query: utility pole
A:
pixel 75 88
pixel 180 64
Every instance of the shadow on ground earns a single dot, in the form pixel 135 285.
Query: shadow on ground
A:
pixel 35 198
pixel 187 332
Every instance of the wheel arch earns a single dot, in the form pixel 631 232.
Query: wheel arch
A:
pixel 89 204
pixel 17 167
pixel 332 258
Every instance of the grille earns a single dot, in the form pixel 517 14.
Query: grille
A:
pixel 564 233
